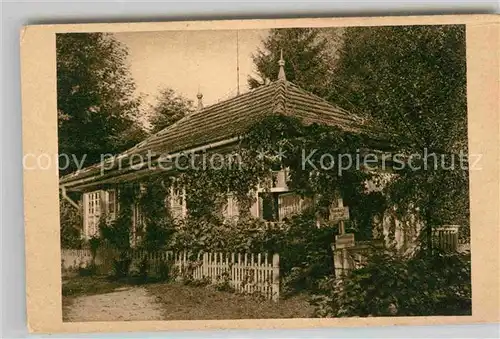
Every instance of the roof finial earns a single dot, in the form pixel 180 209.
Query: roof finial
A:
pixel 200 101
pixel 281 63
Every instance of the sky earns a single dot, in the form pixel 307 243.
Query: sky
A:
pixel 188 61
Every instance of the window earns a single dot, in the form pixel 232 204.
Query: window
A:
pixel 289 204
pixel 112 203
pixel 279 179
pixel 93 213
pixel 268 206
pixel 278 206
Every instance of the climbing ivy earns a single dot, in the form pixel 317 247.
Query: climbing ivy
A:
pixel 270 144
pixel 310 152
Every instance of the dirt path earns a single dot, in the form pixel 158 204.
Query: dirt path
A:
pixel 132 303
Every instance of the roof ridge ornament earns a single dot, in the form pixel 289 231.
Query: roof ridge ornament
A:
pixel 281 63
pixel 200 101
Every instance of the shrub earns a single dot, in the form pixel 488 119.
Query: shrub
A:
pixel 305 250
pixel 71 222
pixel 115 236
pixel 121 266
pixel 388 285
pixel 305 253
pixel 87 271
pixel 166 271
pixel 144 273
pixel 186 274
pixel 224 282
pixel 205 281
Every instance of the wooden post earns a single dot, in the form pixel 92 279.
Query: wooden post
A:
pixel 266 274
pixel 247 285
pixel 209 266
pixel 221 265
pixel 205 264
pixel 259 272
pixel 232 271
pixel 85 200
pixel 340 203
pixel 239 274
pixel 276 277
pixel 253 273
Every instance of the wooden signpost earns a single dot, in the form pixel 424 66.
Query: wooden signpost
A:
pixel 344 240
pixel 339 214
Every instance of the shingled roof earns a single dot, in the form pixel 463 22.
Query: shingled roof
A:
pixel 233 117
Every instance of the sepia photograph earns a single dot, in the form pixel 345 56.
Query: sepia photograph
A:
pixel 304 172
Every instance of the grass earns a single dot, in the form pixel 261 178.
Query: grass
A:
pixel 186 302
pixel 181 302
pixel 79 286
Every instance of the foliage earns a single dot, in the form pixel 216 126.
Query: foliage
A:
pixel 159 225
pixel 203 236
pixel 427 108
pixel 305 250
pixel 223 282
pixel 115 234
pixel 306 58
pixel 98 111
pixel 305 253
pixel 303 247
pixel 81 286
pixel 425 111
pixel 168 109
pixel 70 222
pixel 315 155
pixel 363 208
pixel 390 285
pixel 412 81
pixel 166 271
pixel 121 266
pixel 87 271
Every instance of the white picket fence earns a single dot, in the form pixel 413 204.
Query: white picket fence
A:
pixel 244 272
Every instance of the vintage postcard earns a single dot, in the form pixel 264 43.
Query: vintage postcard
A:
pixel 286 173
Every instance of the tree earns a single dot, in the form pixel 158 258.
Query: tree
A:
pixel 98 110
pixel 412 81
pixel 168 109
pixel 306 55
pixel 410 78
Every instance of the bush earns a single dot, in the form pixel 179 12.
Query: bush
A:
pixel 304 249
pixel 389 285
pixel 144 270
pixel 121 266
pixel 87 271
pixel 224 282
pixel 71 223
pixel 305 253
pixel 115 236
pixel 205 281
pixel 166 271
